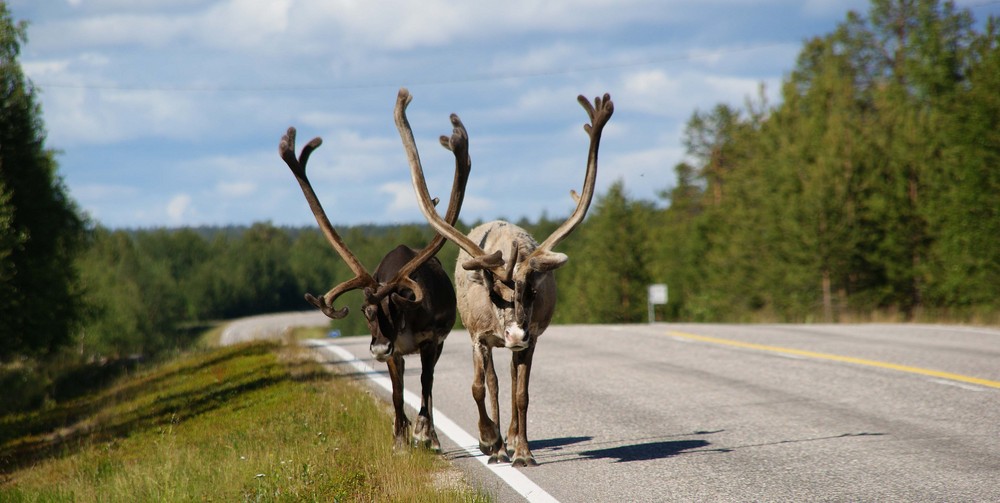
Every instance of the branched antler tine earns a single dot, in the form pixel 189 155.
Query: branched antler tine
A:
pixel 325 302
pixel 585 103
pixel 599 113
pixel 444 228
pixel 492 262
pixel 308 150
pixel 398 283
pixel 320 304
pixel 575 196
pixel 459 144
pixel 286 149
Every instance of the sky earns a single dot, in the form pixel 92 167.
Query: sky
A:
pixel 168 113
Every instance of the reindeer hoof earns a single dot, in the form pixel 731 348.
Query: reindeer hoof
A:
pixel 431 444
pixel 524 462
pixel 493 448
pixel 486 448
pixel 499 457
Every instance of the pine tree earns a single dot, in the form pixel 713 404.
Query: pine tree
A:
pixel 608 280
pixel 871 186
pixel 964 215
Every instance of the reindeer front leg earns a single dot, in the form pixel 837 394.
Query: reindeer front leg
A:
pixel 401 423
pixel 423 431
pixel 490 440
pixel 517 435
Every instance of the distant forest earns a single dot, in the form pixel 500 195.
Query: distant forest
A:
pixel 871 191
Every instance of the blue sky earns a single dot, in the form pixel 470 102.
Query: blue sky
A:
pixel 169 112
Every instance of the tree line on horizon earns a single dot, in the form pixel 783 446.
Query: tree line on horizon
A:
pixel 870 191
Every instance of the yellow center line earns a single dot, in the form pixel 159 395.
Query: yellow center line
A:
pixel 839 358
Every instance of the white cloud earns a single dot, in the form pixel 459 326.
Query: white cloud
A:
pixel 80 109
pixel 538 59
pixel 37 69
pixel 656 92
pixel 179 209
pixel 402 200
pixel 649 84
pixel 405 25
pixel 243 24
pixel 113 30
pixel 179 104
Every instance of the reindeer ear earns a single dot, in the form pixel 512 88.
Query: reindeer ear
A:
pixel 405 302
pixel 547 261
pixel 404 294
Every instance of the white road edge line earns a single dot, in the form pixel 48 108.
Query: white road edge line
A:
pixel 510 475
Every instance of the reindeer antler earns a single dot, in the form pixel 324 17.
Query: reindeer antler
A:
pixel 480 259
pixel 362 278
pixel 543 258
pixel 458 144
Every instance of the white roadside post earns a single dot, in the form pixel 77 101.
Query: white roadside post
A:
pixel 657 295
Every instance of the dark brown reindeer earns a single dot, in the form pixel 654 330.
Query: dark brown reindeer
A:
pixel 506 303
pixel 409 301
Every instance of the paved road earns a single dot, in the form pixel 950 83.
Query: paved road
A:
pixel 672 412
pixel 270 326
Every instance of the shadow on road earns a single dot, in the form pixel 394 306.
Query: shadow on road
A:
pixel 646 449
pixel 556 443
pixel 642 449
pixel 645 452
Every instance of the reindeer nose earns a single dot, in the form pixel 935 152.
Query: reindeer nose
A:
pixel 515 338
pixel 381 351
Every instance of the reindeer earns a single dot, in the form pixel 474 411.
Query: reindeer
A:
pixel 409 301
pixel 505 303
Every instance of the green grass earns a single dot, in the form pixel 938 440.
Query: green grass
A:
pixel 255 422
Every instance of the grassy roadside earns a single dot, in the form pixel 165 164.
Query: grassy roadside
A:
pixel 254 422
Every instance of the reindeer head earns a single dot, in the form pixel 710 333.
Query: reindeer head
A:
pixel 514 290
pixel 391 296
pixel 523 282
pixel 387 313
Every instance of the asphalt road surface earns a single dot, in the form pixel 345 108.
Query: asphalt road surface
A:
pixel 671 412
pixel 270 326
